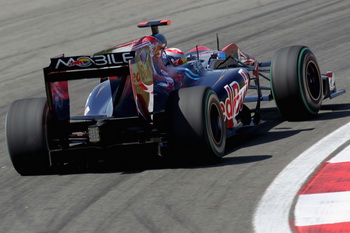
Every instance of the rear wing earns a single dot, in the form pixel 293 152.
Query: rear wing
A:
pixel 102 65
pixel 62 69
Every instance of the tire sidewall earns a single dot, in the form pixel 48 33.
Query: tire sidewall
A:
pixel 290 83
pixel 27 135
pixel 190 131
pixel 311 103
pixel 212 104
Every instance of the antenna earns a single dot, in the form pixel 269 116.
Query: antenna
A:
pixel 217 41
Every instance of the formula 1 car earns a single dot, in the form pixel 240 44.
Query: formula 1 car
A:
pixel 145 96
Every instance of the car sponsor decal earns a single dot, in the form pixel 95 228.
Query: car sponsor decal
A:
pixel 142 82
pixel 81 61
pixel 60 100
pixel 234 101
pixel 96 61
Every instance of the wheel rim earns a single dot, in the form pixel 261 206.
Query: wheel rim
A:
pixel 312 80
pixel 215 124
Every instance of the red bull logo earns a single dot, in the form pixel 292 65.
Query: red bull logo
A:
pixel 81 62
pixel 234 101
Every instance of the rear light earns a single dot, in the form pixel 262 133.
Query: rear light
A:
pixel 94 134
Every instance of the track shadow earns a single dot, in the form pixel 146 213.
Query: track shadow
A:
pixel 259 136
pixel 226 161
pixel 336 107
pixel 122 161
pixel 335 111
pixel 131 166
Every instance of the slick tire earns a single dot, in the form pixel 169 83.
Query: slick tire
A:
pixel 197 128
pixel 26 136
pixel 296 83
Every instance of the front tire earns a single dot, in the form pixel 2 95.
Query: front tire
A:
pixel 196 124
pixel 296 83
pixel 27 136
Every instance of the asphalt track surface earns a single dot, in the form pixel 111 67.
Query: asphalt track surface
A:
pixel 145 194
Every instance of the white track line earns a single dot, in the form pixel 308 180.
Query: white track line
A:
pixel 272 213
pixel 343 156
pixel 323 208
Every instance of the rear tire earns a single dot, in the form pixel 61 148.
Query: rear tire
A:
pixel 296 83
pixel 196 124
pixel 27 136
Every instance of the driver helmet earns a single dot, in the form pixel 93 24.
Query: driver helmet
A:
pixel 176 56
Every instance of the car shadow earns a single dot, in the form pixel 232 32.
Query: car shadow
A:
pixel 131 166
pixel 334 111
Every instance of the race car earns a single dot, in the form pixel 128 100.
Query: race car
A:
pixel 185 104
